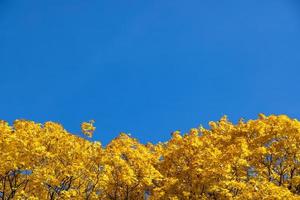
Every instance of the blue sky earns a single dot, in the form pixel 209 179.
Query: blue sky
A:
pixel 148 67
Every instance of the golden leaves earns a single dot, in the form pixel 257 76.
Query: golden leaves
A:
pixel 255 159
pixel 88 128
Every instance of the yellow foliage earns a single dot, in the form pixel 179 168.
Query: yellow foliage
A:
pixel 255 159
pixel 88 128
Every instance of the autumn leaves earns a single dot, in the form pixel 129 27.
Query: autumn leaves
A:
pixel 257 159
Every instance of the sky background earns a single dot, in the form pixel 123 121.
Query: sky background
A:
pixel 148 67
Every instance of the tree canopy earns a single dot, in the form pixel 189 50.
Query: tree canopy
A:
pixel 255 159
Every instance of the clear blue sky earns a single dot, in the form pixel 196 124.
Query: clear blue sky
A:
pixel 148 67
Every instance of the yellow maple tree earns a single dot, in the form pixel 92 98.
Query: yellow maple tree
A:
pixel 255 159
